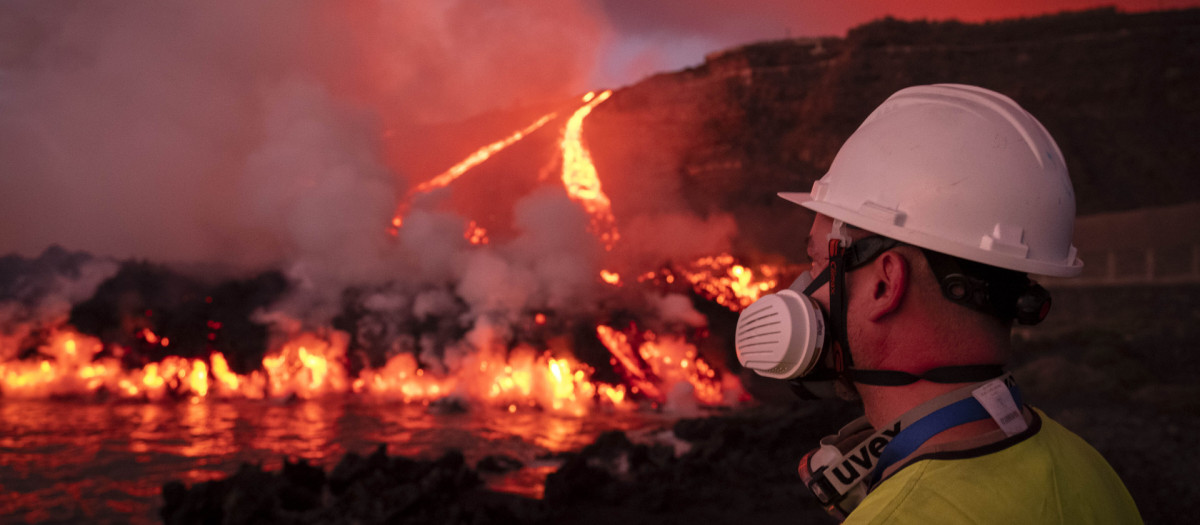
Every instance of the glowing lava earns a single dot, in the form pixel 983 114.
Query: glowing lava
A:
pixel 664 368
pixel 311 365
pixel 579 174
pixel 478 157
pixel 721 279
pixel 475 234
pixel 656 369
pixel 612 278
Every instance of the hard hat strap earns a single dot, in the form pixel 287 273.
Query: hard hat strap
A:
pixel 945 374
pixel 1005 294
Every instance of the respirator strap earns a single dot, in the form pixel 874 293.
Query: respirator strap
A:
pixel 846 255
pixel 838 302
pixel 945 374
pixel 812 285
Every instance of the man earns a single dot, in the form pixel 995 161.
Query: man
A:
pixel 929 220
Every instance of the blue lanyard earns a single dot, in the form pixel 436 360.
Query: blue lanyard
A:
pixel 910 439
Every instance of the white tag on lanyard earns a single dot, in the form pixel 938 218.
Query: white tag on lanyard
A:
pixel 997 399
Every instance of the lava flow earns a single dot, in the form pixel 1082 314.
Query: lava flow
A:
pixel 310 365
pixel 458 170
pixel 579 173
pixel 722 280
pixel 651 369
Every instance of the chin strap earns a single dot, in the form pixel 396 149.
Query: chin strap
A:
pixel 945 374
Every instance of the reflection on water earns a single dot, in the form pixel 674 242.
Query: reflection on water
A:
pixel 75 461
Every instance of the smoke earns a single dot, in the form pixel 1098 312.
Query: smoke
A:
pixel 248 133
pixel 38 294
pixel 653 238
pixel 257 135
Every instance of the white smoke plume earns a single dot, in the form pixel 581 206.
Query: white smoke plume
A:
pixel 42 297
pixel 261 135
pixel 252 134
pixel 249 133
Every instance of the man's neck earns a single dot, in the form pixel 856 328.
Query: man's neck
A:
pixel 886 404
pixel 916 354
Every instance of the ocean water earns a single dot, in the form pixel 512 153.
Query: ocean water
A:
pixel 71 461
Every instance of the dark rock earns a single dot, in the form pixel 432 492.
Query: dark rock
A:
pixel 608 446
pixel 302 475
pixel 406 470
pixel 252 496
pixel 449 475
pixel 353 467
pixel 575 481
pixel 201 504
pixel 448 405
pixel 174 492
pixel 349 469
pixel 498 464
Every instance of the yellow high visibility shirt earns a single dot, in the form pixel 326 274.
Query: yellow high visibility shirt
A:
pixel 1050 476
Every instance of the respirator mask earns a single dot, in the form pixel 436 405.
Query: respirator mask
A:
pixel 786 335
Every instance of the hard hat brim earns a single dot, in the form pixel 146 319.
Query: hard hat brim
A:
pixel 796 197
pixel 1070 269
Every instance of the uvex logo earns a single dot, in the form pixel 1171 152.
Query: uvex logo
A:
pixel 862 459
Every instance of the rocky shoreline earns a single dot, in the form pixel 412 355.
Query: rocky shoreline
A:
pixel 735 467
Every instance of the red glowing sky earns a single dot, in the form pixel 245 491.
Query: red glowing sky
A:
pixel 650 37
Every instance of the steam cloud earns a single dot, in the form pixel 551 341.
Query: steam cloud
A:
pixel 252 136
pixel 248 132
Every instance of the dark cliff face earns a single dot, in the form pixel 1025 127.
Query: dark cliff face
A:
pixel 1119 92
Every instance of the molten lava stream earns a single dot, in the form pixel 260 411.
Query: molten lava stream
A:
pixel 458 170
pixel 668 370
pixel 722 280
pixel 309 366
pixel 579 174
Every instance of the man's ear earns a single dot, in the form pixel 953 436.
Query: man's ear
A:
pixel 889 278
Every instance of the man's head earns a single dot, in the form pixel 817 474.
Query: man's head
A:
pixel 972 192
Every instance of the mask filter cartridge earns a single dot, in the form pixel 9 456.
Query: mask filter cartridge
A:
pixel 782 335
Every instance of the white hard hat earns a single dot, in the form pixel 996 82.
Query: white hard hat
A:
pixel 959 170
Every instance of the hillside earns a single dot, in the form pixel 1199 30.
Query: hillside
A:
pixel 1117 91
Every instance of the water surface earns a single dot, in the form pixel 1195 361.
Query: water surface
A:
pixel 74 461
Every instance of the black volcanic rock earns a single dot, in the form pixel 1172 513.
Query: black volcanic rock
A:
pixel 198 317
pixel 377 489
pixel 736 467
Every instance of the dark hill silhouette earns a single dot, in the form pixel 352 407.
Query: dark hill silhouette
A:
pixel 1116 90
